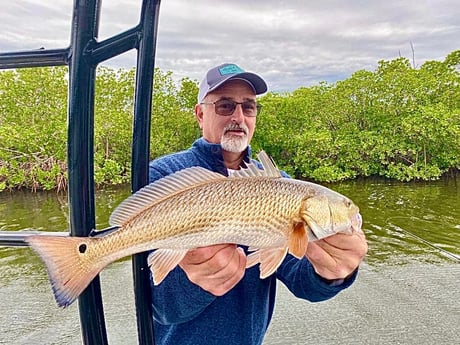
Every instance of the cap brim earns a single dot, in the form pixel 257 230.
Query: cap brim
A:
pixel 257 83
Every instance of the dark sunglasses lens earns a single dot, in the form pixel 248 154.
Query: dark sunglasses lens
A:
pixel 225 107
pixel 249 108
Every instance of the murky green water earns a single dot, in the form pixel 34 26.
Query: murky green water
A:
pixel 398 218
pixel 394 210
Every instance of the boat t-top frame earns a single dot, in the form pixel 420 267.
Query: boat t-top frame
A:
pixel 82 56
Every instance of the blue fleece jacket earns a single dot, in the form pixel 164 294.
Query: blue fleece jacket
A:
pixel 186 314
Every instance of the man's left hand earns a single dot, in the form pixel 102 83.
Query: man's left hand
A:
pixel 337 256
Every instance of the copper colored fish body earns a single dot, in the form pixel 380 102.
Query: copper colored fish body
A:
pixel 195 207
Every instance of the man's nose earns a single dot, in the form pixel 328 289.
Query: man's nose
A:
pixel 238 115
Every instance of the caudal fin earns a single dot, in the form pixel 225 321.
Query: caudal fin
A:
pixel 69 270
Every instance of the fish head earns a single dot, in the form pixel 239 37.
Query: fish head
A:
pixel 326 214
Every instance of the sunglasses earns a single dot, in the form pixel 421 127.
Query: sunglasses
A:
pixel 226 107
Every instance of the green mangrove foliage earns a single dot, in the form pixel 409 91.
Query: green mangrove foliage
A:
pixel 33 124
pixel 173 126
pixel 397 121
pixel 33 105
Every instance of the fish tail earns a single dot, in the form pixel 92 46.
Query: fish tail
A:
pixel 69 270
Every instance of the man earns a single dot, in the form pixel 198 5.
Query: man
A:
pixel 211 298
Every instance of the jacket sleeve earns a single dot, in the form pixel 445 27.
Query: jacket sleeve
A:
pixel 301 279
pixel 178 300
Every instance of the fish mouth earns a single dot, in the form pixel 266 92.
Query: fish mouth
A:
pixel 353 225
pixel 356 222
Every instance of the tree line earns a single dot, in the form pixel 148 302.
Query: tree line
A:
pixel 397 121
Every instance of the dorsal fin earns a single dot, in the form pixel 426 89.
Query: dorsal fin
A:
pixel 164 187
pixel 251 169
pixel 268 164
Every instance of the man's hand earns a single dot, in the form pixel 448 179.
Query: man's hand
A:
pixel 337 256
pixel 216 269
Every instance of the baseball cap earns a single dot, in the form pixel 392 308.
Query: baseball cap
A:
pixel 217 76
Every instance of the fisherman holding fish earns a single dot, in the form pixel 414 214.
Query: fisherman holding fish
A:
pixel 210 297
pixel 220 229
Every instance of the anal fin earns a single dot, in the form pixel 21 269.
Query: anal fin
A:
pixel 163 261
pixel 269 259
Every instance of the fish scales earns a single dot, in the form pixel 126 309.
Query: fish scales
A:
pixel 195 207
pixel 218 210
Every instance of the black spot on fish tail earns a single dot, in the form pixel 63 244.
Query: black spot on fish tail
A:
pixel 82 248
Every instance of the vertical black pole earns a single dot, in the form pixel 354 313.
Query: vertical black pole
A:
pixel 140 156
pixel 80 154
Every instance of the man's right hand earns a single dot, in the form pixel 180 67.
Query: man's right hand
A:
pixel 216 269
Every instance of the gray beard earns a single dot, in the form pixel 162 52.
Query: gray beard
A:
pixel 233 143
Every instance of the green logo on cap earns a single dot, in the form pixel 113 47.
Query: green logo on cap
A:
pixel 230 69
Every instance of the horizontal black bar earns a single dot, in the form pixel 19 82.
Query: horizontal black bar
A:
pixel 35 58
pixel 18 238
pixel 114 46
pixel 103 232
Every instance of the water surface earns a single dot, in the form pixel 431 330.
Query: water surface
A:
pixel 406 290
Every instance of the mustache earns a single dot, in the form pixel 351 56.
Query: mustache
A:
pixel 235 126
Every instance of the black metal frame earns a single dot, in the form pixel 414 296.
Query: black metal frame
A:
pixel 82 56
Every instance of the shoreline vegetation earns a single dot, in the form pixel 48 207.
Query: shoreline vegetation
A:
pixel 399 121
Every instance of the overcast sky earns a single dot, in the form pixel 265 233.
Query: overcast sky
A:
pixel 290 43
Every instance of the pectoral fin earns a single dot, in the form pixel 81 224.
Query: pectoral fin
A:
pixel 298 240
pixel 269 259
pixel 163 261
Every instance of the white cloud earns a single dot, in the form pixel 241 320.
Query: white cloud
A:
pixel 290 43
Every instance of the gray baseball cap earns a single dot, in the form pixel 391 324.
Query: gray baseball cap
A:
pixel 217 76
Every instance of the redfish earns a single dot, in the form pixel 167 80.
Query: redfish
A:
pixel 257 208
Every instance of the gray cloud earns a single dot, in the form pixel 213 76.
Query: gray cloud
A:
pixel 291 43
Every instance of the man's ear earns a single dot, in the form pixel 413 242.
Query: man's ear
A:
pixel 199 115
